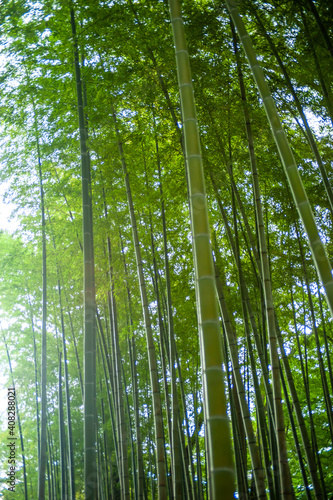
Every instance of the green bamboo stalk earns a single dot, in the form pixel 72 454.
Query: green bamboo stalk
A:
pixel 119 398
pixel 299 107
pixel 75 348
pixel 321 79
pixel 300 419
pixel 322 28
pixel 90 469
pixel 100 481
pixel 36 375
pixel 237 429
pixel 49 481
pixel 191 490
pixel 163 351
pixel 295 437
pixel 105 446
pixel 18 421
pixel 195 436
pixel 285 476
pixel 157 406
pixel 108 374
pixel 327 349
pixel 43 437
pixel 217 423
pixel 258 341
pixel 121 416
pixel 322 370
pixel 247 422
pixel 262 426
pixel 186 481
pixel 131 434
pixel 42 440
pixel 172 345
pixel 313 450
pixel 139 476
pixel 175 448
pixel 140 472
pixel 150 467
pixel 260 410
pixel 68 403
pixel 61 434
pixel 52 462
pixel 296 185
pixel 111 361
pixel 104 492
pixel 113 480
pixel 173 423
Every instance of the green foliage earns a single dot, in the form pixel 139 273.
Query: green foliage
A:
pixel 129 62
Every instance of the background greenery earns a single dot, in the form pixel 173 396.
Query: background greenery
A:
pixel 127 62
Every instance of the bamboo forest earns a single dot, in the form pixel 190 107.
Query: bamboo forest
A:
pixel 166 291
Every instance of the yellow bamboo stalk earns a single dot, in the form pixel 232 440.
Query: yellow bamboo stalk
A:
pixel 217 423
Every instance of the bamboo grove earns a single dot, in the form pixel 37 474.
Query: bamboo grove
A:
pixel 166 298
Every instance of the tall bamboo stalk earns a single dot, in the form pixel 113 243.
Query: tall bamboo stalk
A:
pixel 139 476
pixel 140 470
pixel 90 469
pixel 286 485
pixel 157 406
pixel 61 434
pixel 322 28
pixel 322 370
pixel 108 376
pixel 121 412
pixel 18 421
pixel 295 436
pixel 313 449
pixel 217 423
pixel 43 437
pixel 68 402
pixel 175 449
pixel 163 350
pixel 36 376
pixel 295 182
pixel 323 85
pixel 245 413
pixel 299 107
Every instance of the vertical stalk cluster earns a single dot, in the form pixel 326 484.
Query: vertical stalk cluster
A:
pixel 145 399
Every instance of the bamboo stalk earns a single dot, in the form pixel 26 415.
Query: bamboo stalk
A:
pixel 299 107
pixel 296 185
pixel 18 421
pixel 90 468
pixel 157 406
pixel 217 424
